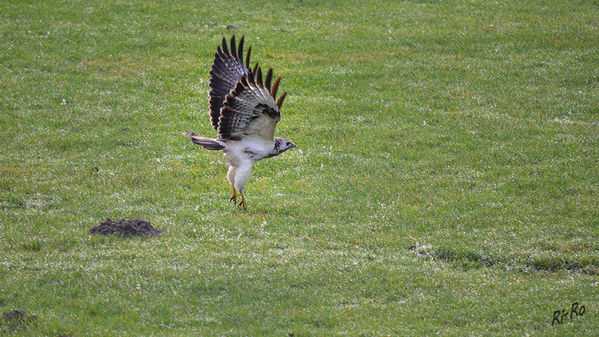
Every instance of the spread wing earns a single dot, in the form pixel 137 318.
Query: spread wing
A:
pixel 250 110
pixel 226 71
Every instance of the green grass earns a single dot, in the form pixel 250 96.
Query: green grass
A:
pixel 446 179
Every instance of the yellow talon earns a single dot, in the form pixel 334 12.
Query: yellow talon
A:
pixel 243 202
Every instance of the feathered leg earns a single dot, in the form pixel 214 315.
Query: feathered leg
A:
pixel 234 196
pixel 242 173
pixel 231 178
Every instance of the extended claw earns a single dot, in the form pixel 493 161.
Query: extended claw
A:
pixel 243 202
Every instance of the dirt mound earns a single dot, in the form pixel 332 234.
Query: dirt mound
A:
pixel 14 321
pixel 125 227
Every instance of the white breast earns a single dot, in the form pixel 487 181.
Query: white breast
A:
pixel 246 151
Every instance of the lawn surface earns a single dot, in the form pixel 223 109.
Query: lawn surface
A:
pixel 446 179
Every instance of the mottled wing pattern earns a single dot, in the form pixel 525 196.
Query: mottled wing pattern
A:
pixel 250 110
pixel 226 71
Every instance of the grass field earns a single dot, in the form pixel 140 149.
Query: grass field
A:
pixel 446 180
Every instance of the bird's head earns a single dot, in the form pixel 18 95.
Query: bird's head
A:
pixel 282 145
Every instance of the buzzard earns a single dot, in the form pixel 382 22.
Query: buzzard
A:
pixel 244 110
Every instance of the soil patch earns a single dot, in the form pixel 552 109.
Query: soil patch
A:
pixel 124 227
pixel 14 321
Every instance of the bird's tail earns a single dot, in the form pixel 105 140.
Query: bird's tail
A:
pixel 207 143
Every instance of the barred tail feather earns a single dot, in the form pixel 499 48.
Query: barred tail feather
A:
pixel 207 143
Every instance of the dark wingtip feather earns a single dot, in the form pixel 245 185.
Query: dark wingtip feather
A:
pixel 275 87
pixel 268 79
pixel 225 48
pixel 233 46
pixel 247 58
pixel 240 50
pixel 281 99
pixel 254 72
pixel 259 77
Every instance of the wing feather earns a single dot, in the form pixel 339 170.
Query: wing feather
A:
pixel 240 49
pixel 268 79
pixel 281 99
pixel 250 110
pixel 275 87
pixel 227 69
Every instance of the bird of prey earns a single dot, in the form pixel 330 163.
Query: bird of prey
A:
pixel 244 110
